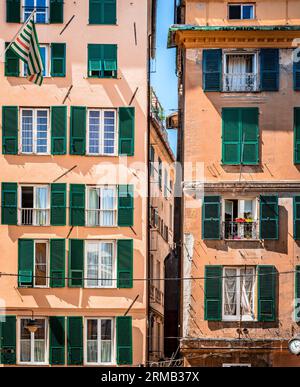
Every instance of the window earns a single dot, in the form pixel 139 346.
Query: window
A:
pixel 171 217
pixel 35 131
pixel 102 11
pixel 35 205
pixel 241 11
pixel 42 10
pixel 102 132
pixel 102 206
pixel 166 186
pixel 33 346
pixel 160 173
pixel 152 158
pixel 102 60
pixel 100 264
pixel 238 293
pixel 41 264
pixel 99 341
pixel 45 55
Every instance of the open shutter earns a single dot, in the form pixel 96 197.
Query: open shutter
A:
pixel 75 341
pixel 10 130
pixel 13 11
pixel 76 263
pixel 8 326
pixel 57 340
pixel 57 263
pixel 58 204
pixel 249 136
pixel 12 63
pixel 296 71
pixel 296 217
pixel 124 340
pixel 102 12
pixel 95 58
pixel 77 205
pixel 9 213
pixel 126 130
pixel 57 11
pixel 58 60
pixel 125 263
pixel 231 136
pixel 297 135
pixel 25 259
pixel 267 280
pixel 78 130
pixel 58 130
pixel 211 213
pixel 269 69
pixel 213 293
pixel 269 216
pixel 125 206
pixel 297 293
pixel 212 70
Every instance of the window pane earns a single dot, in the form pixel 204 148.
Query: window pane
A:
pixel 248 12
pixel 109 133
pixel 41 11
pixel 230 290
pixel 42 131
pixel 108 205
pixel 92 264
pixel 39 342
pixel 234 12
pixel 25 351
pixel 94 207
pixel 94 132
pixel 27 131
pixel 41 197
pixel 28 8
pixel 92 341
pixel 247 279
pixel 40 264
pixel 106 264
pixel 106 341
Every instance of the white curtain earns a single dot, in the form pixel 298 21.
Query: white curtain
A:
pixel 92 264
pixel 94 213
pixel 106 264
pixel 247 279
pixel 230 292
pixel 41 205
pixel 108 207
pixel 106 341
pixel 238 69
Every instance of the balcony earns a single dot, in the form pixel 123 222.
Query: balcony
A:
pixel 103 218
pixel 246 82
pixel 35 217
pixel 240 230
pixel 156 295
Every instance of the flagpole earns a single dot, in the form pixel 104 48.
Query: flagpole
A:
pixel 23 25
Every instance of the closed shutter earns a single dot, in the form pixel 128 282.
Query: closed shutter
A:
pixel 78 130
pixel 26 262
pixel 102 60
pixel 269 217
pixel 212 70
pixel 124 340
pixel 296 71
pixel 267 280
pixel 102 12
pixel 58 60
pixel 57 263
pixel 8 326
pixel 76 263
pixel 231 136
pixel 296 217
pixel 75 341
pixel 297 293
pixel 213 293
pixel 125 263
pixel 57 11
pixel 58 130
pixel 211 213
pixel 249 136
pixel 13 11
pixel 126 130
pixel 12 63
pixel 9 213
pixel 77 205
pixel 297 135
pixel 58 204
pixel 125 206
pixel 57 340
pixel 269 69
pixel 10 130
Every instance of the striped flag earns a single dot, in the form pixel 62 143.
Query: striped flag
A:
pixel 26 47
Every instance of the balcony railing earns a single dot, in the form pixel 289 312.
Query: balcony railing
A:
pixel 35 217
pixel 240 230
pixel 240 82
pixel 103 218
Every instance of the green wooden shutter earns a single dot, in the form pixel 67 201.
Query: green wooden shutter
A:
pixel 297 135
pixel 57 263
pixel 267 281
pixel 125 263
pixel 124 340
pixel 126 130
pixel 269 217
pixel 9 213
pixel 77 205
pixel 213 293
pixel 25 262
pixel 58 60
pixel 249 136
pixel 13 11
pixel 10 130
pixel 58 204
pixel 58 130
pixel 297 293
pixel 57 11
pixel 78 130
pixel 8 327
pixel 125 206
pixel 12 63
pixel 102 12
pixel 76 263
pixel 212 70
pixel 57 340
pixel 102 59
pixel 231 136
pixel 110 61
pixel 211 213
pixel 269 69
pixel 75 341
pixel 95 58
pixel 296 73
pixel 296 208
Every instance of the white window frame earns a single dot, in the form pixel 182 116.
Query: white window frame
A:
pixel 238 316
pixel 114 265
pixel 87 204
pixel 34 208
pixel 47 62
pixel 113 341
pixel 242 5
pixel 46 362
pixel 35 1
pixel 34 131
pixel 46 241
pixel 101 132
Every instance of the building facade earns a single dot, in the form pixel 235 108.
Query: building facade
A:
pixel 239 69
pixel 74 186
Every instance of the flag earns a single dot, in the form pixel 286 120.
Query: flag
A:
pixel 26 47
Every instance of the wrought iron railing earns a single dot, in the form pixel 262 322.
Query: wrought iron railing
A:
pixel 35 217
pixel 240 230
pixel 240 82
